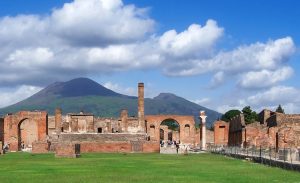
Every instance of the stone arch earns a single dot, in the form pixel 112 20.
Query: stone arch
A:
pixel 152 131
pixel 187 130
pixel 171 129
pixel 13 124
pixel 27 133
pixel 156 120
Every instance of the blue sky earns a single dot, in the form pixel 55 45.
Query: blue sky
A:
pixel 220 54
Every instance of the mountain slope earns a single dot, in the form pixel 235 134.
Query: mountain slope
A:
pixel 84 94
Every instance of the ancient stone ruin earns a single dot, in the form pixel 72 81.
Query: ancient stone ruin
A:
pixel 74 133
pixel 273 130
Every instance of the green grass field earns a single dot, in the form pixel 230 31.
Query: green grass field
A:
pixel 143 168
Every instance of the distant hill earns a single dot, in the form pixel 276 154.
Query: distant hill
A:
pixel 83 94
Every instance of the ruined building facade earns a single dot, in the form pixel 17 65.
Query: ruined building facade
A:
pixel 273 130
pixel 39 133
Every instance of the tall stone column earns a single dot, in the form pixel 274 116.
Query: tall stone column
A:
pixel 124 120
pixel 203 125
pixel 141 115
pixel 58 120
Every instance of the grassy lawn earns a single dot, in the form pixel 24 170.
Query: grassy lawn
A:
pixel 143 168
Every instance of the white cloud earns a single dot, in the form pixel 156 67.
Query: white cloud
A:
pixel 120 89
pixel 203 101
pixel 87 37
pixel 27 58
pixel 195 41
pixel 275 95
pixel 100 22
pixel 11 96
pixel 265 78
pixel 287 96
pixel 217 79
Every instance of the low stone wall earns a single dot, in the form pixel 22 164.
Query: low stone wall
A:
pixel 99 137
pixel 104 143
pixel 151 147
pixel 40 147
pixel 108 147
pixel 1 148
pixel 66 150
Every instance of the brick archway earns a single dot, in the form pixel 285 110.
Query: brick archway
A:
pixel 183 121
pixel 171 130
pixel 13 122
pixel 27 133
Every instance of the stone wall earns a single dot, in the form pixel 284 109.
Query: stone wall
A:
pixel 40 147
pixel 105 147
pixel 113 143
pixel 187 129
pixel 13 129
pixel 221 132
pixel 65 150
pixel 117 137
pixel 275 130
pixel 264 115
pixel 236 131
pixel 1 131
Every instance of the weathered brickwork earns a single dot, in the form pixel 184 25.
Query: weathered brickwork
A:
pixel 66 150
pixel 40 133
pixel 1 132
pixel 221 131
pixel 273 130
pixel 35 128
pixel 186 127
pixel 40 147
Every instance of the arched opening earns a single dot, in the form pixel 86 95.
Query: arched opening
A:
pixel 161 134
pixel 171 131
pixel 152 131
pixel 27 134
pixel 187 130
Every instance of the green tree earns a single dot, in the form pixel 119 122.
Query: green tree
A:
pixel 230 114
pixel 280 109
pixel 249 115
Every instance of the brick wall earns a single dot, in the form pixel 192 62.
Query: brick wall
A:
pixel 151 147
pixel 1 131
pixel 65 150
pixel 40 147
pixel 221 132
pixel 107 147
pixel 119 137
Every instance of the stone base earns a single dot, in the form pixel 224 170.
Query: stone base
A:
pixel 40 147
pixel 66 150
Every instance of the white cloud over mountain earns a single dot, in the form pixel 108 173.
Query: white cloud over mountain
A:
pixel 100 36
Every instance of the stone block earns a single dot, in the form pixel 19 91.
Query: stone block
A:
pixel 40 147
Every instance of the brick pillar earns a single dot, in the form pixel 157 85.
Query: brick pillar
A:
pixel 141 115
pixel 203 119
pixel 58 120
pixel 124 120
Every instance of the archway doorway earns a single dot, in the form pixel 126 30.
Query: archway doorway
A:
pixel 169 131
pixel 27 134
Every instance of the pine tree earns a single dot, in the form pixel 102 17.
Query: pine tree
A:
pixel 249 115
pixel 280 109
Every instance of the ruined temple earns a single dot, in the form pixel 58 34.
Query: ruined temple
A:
pixel 273 130
pixel 37 132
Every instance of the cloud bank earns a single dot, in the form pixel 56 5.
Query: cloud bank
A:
pixel 87 37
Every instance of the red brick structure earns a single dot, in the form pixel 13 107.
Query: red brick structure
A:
pixel 40 147
pixel 25 126
pixel 273 130
pixel 96 134
pixel 221 132
pixel 1 132
pixel 113 143
pixel 186 127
